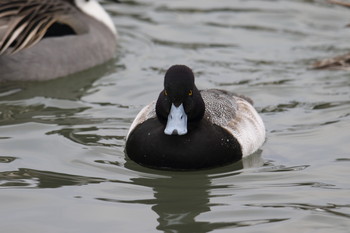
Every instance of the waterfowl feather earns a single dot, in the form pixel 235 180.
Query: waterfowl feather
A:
pixel 28 21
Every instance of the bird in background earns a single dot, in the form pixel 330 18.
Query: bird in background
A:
pixel 47 39
pixel 341 62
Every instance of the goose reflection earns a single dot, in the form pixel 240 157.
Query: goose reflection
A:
pixel 181 197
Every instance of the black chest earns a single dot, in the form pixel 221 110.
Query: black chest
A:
pixel 204 146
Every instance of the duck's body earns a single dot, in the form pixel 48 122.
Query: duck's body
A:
pixel 46 39
pixel 223 129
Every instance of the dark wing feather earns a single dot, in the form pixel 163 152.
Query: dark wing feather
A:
pixel 25 22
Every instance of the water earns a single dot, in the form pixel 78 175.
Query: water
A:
pixel 62 162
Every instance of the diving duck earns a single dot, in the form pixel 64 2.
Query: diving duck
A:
pixel 188 129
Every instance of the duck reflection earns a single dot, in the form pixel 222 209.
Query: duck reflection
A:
pixel 20 101
pixel 179 200
pixel 71 87
pixel 181 197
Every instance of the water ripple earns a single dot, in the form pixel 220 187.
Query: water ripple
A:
pixel 31 178
pixel 7 159
pixel 282 168
pixel 329 208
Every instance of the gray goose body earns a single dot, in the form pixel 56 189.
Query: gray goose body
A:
pixel 68 41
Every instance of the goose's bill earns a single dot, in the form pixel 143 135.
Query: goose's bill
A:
pixel 177 121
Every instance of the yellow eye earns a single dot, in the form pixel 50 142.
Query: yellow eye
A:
pixel 165 93
pixel 190 93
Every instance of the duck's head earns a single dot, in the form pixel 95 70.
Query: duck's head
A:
pixel 180 102
pixel 95 10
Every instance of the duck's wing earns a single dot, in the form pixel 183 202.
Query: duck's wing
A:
pixel 23 23
pixel 237 115
pixel 220 106
pixel 341 62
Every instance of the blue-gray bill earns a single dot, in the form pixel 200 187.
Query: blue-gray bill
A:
pixel 177 121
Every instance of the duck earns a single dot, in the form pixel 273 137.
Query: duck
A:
pixel 47 39
pixel 190 129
